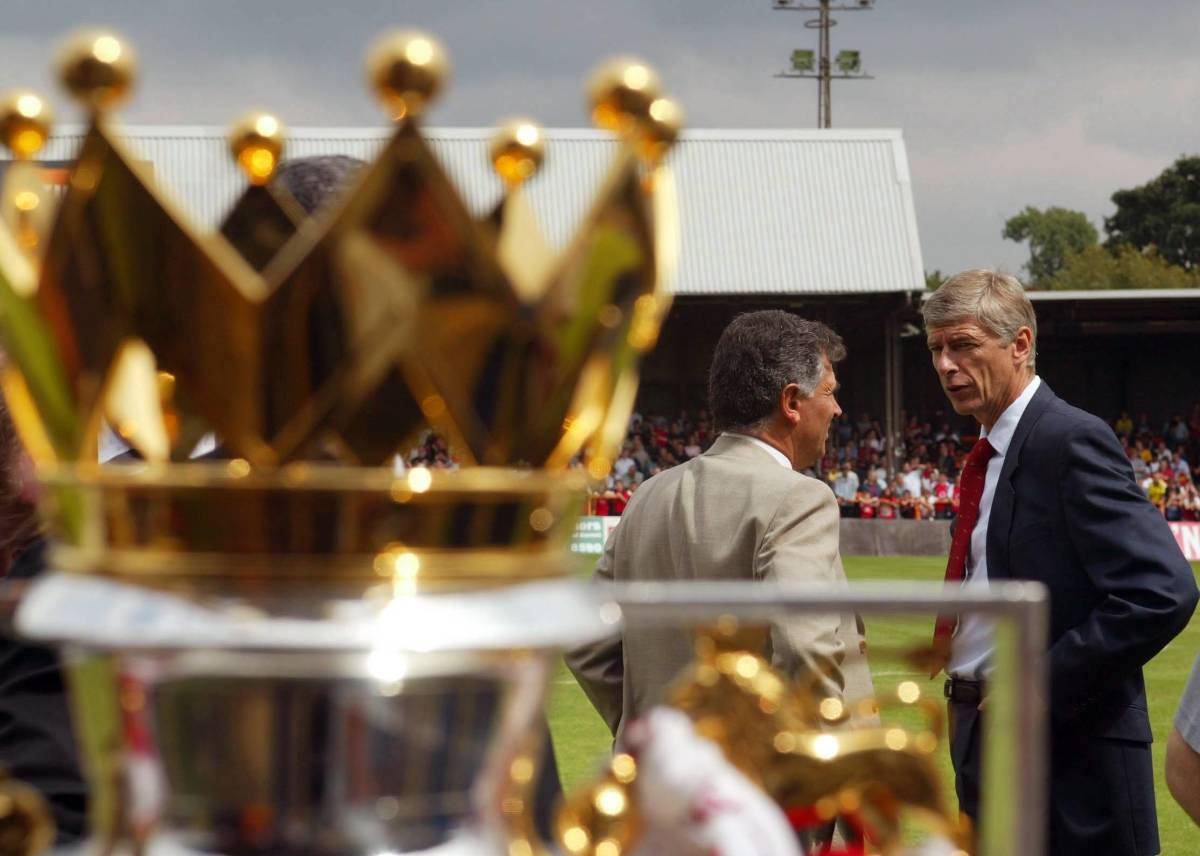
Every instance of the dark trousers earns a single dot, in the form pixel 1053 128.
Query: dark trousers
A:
pixel 966 732
pixel 1101 789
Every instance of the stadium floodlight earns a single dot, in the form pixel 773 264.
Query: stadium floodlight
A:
pixel 849 62
pixel 804 60
pixel 817 65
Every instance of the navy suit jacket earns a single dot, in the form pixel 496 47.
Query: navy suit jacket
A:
pixel 1067 512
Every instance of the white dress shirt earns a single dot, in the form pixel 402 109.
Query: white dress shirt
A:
pixel 971 653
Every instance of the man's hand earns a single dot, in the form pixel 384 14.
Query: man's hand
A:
pixel 1183 774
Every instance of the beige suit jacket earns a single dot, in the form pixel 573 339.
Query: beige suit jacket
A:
pixel 733 513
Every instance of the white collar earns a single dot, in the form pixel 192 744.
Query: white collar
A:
pixel 768 448
pixel 1002 432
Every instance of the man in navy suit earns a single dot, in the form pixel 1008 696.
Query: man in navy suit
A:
pixel 1058 505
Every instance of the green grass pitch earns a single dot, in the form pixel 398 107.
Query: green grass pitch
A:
pixel 581 739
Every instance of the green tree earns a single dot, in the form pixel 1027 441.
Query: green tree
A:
pixel 1096 268
pixel 1053 235
pixel 1163 213
pixel 933 279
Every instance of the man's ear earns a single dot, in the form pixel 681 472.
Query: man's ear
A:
pixel 1023 345
pixel 790 400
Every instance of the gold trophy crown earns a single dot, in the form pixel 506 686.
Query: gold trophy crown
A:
pixel 315 347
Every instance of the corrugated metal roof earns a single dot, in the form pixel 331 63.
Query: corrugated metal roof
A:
pixel 761 212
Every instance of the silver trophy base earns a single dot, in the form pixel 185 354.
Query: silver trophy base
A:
pixel 374 729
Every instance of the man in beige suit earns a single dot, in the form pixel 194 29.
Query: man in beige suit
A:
pixel 740 511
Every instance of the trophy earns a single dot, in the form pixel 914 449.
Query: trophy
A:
pixel 294 647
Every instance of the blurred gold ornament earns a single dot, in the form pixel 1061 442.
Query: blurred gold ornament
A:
pixel 620 93
pixel 517 149
pixel 25 120
pixel 265 216
pixel 98 68
pixel 407 69
pixel 26 826
pixel 799 749
pixel 256 141
pixel 661 128
pixel 26 204
pixel 602 818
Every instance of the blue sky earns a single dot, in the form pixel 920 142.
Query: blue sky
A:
pixel 1001 104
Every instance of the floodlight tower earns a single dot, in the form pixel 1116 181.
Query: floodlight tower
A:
pixel 805 64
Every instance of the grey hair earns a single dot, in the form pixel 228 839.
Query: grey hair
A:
pixel 313 181
pixel 757 356
pixel 996 301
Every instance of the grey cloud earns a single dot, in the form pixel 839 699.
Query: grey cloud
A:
pixel 1002 104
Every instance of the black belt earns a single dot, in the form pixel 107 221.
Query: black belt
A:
pixel 964 691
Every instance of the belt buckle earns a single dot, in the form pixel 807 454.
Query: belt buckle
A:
pixel 963 691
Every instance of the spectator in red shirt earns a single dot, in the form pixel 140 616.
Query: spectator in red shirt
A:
pixel 618 497
pixel 888 505
pixel 868 505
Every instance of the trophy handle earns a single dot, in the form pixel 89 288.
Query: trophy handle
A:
pixel 26 826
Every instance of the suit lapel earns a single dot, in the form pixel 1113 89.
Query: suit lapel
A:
pixel 1000 518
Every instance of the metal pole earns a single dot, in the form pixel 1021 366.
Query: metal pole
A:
pixel 824 105
pixel 1014 730
pixel 892 391
pixel 666 604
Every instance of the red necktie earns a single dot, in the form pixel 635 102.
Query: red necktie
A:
pixel 970 491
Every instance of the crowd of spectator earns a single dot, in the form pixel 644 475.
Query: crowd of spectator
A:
pixel 653 444
pixel 855 464
pixel 928 454
pixel 1160 453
